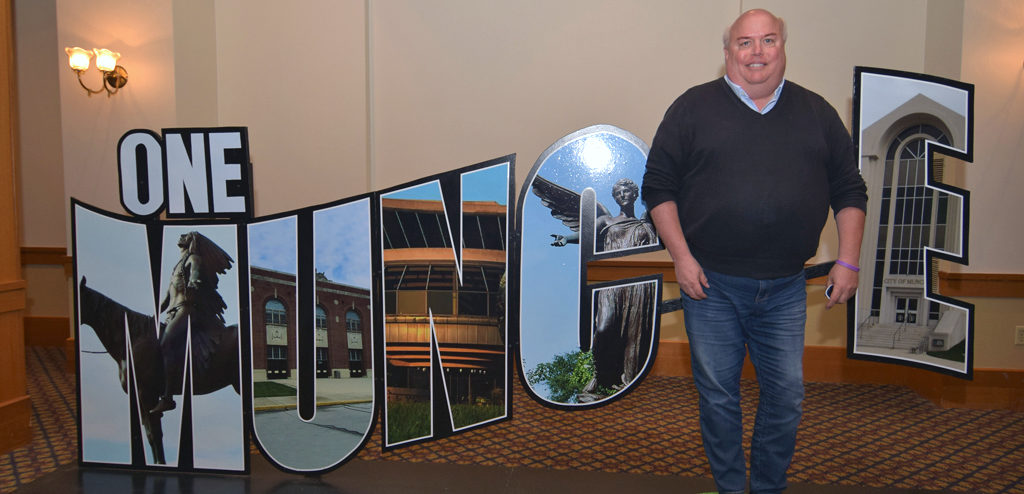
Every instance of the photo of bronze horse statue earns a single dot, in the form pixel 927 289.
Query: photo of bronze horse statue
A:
pixel 191 306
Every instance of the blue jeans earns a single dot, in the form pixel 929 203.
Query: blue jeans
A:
pixel 766 318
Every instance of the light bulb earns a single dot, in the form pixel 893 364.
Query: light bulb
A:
pixel 106 60
pixel 78 58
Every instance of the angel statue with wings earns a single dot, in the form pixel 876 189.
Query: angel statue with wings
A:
pixel 621 314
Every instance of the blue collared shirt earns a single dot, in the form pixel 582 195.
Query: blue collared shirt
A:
pixel 745 98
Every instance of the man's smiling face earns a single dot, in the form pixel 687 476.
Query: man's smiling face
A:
pixel 755 55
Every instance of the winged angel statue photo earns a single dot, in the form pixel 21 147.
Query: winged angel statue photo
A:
pixel 621 314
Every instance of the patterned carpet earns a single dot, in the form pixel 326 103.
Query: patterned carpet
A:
pixel 54 441
pixel 852 435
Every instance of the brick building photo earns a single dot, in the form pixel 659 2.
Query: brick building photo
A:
pixel 343 329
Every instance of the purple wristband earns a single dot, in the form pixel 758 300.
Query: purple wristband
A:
pixel 851 267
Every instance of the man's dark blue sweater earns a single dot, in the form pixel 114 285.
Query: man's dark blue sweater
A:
pixel 753 190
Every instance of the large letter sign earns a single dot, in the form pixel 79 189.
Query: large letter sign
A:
pixel 912 129
pixel 299 326
pixel 309 283
pixel 445 247
pixel 140 167
pixel 202 173
pixel 580 204
pixel 139 340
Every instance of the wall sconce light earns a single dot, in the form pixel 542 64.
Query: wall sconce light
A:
pixel 114 75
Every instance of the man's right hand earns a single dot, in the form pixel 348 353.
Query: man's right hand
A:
pixel 690 277
pixel 689 274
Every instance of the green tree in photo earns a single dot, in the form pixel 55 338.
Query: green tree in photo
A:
pixel 566 375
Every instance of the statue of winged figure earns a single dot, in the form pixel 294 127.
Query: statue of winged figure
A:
pixel 613 232
pixel 621 317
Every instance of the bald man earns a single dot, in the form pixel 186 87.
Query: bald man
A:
pixel 739 181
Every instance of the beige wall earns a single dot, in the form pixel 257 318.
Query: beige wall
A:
pixel 91 126
pixel 341 98
pixel 297 78
pixel 464 81
pixel 995 320
pixel 994 62
pixel 993 57
pixel 195 77
pixel 41 173
pixel 40 168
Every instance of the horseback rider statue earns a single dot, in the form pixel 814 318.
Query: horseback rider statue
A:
pixel 191 300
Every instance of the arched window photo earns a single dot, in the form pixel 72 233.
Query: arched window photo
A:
pixel 914 134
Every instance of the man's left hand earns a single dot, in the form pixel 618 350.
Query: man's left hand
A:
pixel 844 285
